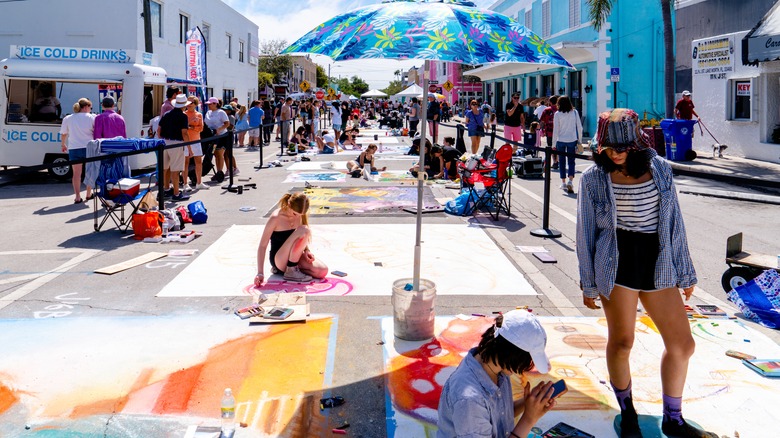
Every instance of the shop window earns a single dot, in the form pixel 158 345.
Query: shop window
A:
pixel 33 101
pixel 206 29
pixel 227 95
pixel 574 13
pixel 184 27
pixel 209 92
pixel 741 91
pixel 155 10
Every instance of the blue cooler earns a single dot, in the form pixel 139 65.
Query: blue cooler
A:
pixel 678 135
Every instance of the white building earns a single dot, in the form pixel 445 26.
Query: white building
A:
pixel 231 38
pixel 739 104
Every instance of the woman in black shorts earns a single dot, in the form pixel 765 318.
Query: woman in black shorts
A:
pixel 632 246
pixel 287 230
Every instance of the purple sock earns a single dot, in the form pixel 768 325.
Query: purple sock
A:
pixel 624 398
pixel 673 409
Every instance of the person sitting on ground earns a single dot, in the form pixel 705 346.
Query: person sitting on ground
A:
pixel 288 232
pixel 299 139
pixel 415 149
pixel 477 398
pixel 356 167
pixel 431 164
pixel 450 156
pixel 532 138
pixel 348 138
pixel 326 144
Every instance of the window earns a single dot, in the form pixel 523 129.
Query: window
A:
pixel 156 18
pixel 444 68
pixel 206 29
pixel 545 19
pixel 574 13
pixel 227 95
pixel 240 51
pixel 39 101
pixel 741 91
pixel 209 92
pixel 184 27
pixel 529 19
pixel 229 47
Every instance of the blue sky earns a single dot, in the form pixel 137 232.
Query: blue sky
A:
pixel 291 19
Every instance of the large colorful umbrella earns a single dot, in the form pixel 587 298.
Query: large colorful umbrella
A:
pixel 444 30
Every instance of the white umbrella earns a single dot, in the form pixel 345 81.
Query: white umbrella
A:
pixel 373 93
pixel 412 91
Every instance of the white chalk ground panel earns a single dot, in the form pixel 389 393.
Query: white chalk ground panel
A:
pixel 318 165
pixel 373 256
pixel 721 394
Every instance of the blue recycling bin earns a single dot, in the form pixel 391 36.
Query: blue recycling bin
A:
pixel 678 135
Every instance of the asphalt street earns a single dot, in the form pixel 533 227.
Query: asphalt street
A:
pixel 50 251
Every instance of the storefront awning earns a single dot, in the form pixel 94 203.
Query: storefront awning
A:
pixel 763 42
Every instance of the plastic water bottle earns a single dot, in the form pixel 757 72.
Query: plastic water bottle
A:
pixel 165 228
pixel 228 414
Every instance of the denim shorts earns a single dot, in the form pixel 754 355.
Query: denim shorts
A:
pixel 475 132
pixel 77 154
pixel 337 127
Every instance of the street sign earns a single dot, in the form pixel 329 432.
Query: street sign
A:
pixel 448 86
pixel 331 92
pixel 614 73
pixel 305 85
pixel 319 94
pixel 432 88
pixel 433 82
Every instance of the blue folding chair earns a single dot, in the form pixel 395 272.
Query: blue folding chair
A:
pixel 111 171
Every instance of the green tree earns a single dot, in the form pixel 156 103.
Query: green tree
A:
pixel 271 61
pixel 600 10
pixel 264 79
pixel 395 87
pixel 359 85
pixel 322 77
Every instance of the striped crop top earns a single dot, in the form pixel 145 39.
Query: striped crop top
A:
pixel 637 206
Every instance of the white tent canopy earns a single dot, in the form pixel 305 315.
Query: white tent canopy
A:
pixel 373 93
pixel 412 91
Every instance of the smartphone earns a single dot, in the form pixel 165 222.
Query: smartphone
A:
pixel 278 313
pixel 339 273
pixel 559 388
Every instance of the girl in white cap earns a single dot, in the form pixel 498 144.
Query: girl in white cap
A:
pixel 477 400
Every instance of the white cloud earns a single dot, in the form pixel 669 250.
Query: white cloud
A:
pixel 291 19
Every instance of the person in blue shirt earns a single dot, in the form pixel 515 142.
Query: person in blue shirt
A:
pixel 476 400
pixel 632 246
pixel 255 120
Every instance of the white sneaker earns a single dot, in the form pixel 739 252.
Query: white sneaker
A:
pixel 236 171
pixel 186 188
pixel 295 275
pixel 563 186
pixel 202 186
pixel 570 187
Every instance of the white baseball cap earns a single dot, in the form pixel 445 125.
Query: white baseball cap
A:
pixel 524 331
pixel 686 93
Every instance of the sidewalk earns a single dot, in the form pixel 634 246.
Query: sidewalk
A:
pixel 728 166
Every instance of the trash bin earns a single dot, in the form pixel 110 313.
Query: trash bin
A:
pixel 678 135
pixel 413 311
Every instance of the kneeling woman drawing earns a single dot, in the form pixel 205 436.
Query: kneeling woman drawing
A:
pixel 289 234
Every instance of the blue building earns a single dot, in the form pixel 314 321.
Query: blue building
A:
pixel 631 40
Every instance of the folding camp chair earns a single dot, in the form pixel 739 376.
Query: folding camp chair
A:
pixel 488 184
pixel 115 192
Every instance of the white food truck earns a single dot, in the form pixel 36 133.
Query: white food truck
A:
pixel 40 84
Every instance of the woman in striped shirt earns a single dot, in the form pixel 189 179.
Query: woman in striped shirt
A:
pixel 631 246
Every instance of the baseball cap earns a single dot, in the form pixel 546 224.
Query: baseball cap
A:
pixel 524 331
pixel 108 102
pixel 686 93
pixel 213 100
pixel 181 101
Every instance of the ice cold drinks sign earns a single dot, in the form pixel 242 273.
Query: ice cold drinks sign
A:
pixel 71 54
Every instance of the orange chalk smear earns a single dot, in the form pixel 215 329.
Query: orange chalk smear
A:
pixel 7 398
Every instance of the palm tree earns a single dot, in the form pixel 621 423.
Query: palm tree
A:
pixel 397 74
pixel 600 10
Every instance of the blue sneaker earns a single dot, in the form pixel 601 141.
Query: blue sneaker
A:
pixel 180 197
pixel 168 193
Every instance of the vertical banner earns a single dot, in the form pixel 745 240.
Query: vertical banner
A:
pixel 195 66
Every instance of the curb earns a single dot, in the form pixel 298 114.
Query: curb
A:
pixel 736 196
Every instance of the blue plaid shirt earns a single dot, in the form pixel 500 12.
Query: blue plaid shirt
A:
pixel 597 242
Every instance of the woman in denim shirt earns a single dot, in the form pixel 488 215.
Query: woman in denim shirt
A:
pixel 632 246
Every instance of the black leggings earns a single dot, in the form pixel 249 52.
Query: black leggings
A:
pixel 413 127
